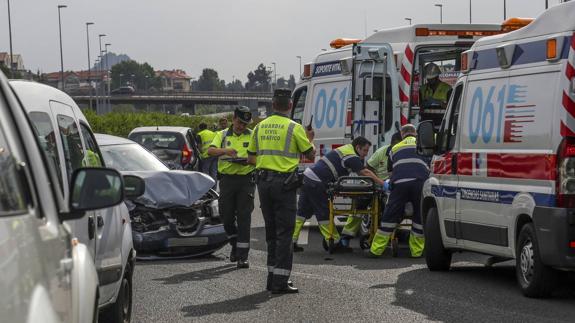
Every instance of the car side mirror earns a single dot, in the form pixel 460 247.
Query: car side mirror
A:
pixel 426 139
pixel 134 186
pixel 93 189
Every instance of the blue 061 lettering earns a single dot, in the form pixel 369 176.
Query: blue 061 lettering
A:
pixel 326 110
pixel 484 121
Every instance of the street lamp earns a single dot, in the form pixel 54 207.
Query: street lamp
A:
pixel 61 52
pixel 469 11
pixel 408 19
pixel 107 84
pixel 98 89
pixel 88 24
pixel 299 57
pixel 10 38
pixel 121 79
pixel 440 12
pixel 504 10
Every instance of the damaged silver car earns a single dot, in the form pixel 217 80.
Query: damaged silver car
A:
pixel 177 216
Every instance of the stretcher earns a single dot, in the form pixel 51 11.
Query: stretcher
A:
pixel 354 188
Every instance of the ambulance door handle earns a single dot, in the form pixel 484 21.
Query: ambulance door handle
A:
pixel 454 164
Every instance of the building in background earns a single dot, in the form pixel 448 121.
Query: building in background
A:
pixel 174 81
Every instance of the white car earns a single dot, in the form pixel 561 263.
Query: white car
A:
pixel 65 135
pixel 47 275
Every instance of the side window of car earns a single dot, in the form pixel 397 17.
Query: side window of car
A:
pixel 47 140
pixel 13 196
pixel 93 156
pixel 71 142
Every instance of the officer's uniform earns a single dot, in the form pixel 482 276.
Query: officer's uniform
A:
pixel 313 197
pixel 237 188
pixel 409 172
pixel 278 142
pixel 208 165
pixel 434 102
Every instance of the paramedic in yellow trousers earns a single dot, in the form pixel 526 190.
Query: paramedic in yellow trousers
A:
pixel 237 186
pixel 275 148
pixel 409 172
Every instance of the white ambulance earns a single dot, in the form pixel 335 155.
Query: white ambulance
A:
pixel 343 92
pixel 502 179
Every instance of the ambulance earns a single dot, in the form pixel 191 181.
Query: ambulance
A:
pixel 502 177
pixel 343 92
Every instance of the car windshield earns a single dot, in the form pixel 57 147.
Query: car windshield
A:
pixel 159 140
pixel 131 157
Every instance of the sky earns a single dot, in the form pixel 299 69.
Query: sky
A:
pixel 230 36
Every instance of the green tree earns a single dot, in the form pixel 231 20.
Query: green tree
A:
pixel 210 81
pixel 140 76
pixel 236 86
pixel 259 80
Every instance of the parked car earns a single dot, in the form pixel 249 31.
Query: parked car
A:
pixel 68 142
pixel 178 214
pixel 47 275
pixel 175 146
pixel 123 90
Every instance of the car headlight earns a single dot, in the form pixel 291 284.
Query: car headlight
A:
pixel 215 209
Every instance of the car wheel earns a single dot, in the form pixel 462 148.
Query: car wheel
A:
pixel 436 256
pixel 535 279
pixel 121 311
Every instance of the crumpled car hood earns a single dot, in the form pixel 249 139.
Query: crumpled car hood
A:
pixel 167 189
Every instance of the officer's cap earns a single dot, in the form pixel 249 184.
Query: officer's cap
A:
pixel 243 114
pixel 282 93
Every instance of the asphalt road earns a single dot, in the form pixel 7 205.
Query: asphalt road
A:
pixel 338 288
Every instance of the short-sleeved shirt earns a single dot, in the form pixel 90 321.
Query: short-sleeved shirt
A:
pixel 379 161
pixel 228 139
pixel 337 163
pixel 278 143
pixel 206 136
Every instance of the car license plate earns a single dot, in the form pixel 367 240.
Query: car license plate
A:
pixel 187 242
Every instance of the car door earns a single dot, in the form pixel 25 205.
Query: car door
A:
pixel 446 167
pixel 71 154
pixel 35 249
pixel 109 226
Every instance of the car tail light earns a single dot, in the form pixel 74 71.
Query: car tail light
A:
pixel 186 155
pixel 572 244
pixel 565 183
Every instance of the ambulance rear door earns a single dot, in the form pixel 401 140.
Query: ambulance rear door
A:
pixel 375 97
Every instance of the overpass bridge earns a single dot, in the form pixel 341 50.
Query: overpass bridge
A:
pixel 188 100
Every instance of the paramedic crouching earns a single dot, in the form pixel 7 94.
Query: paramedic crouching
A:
pixel 408 173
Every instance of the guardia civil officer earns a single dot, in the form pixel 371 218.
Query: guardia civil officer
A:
pixel 275 148
pixel 408 173
pixel 237 185
pixel 208 165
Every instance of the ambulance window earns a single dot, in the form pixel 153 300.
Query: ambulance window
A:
pixel 299 103
pixel 387 108
pixel 448 130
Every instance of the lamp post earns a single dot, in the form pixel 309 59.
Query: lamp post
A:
pixel 469 11
pixel 61 52
pixel 107 84
pixel 408 19
pixel 88 24
pixel 99 100
pixel 10 39
pixel 121 78
pixel 504 9
pixel 440 12
pixel 299 57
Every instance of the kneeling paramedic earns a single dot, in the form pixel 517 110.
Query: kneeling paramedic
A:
pixel 313 197
pixel 275 148
pixel 237 185
pixel 408 173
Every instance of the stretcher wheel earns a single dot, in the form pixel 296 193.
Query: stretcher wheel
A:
pixel 331 246
pixel 394 246
pixel 364 242
pixel 324 245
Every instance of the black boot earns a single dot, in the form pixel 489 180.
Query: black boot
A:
pixel 243 263
pixel 233 254
pixel 297 248
pixel 270 282
pixel 287 289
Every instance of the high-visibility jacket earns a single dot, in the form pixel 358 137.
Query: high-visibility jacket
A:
pixel 406 164
pixel 206 136
pixel 228 139
pixel 278 142
pixel 337 163
pixel 439 95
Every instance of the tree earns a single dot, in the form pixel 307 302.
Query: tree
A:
pixel 140 76
pixel 259 80
pixel 210 81
pixel 291 82
pixel 281 83
pixel 236 86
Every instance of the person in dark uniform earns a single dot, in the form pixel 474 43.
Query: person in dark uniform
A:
pixel 237 186
pixel 275 148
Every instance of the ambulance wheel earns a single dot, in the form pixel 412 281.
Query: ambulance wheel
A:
pixel 331 246
pixel 394 246
pixel 324 245
pixel 535 279
pixel 436 256
pixel 364 242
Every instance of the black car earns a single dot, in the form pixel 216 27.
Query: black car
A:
pixel 123 90
pixel 178 215
pixel 175 146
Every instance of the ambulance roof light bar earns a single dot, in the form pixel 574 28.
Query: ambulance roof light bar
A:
pixel 512 24
pixel 507 26
pixel 342 42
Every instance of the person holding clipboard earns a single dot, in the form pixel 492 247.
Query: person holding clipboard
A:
pixel 237 185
